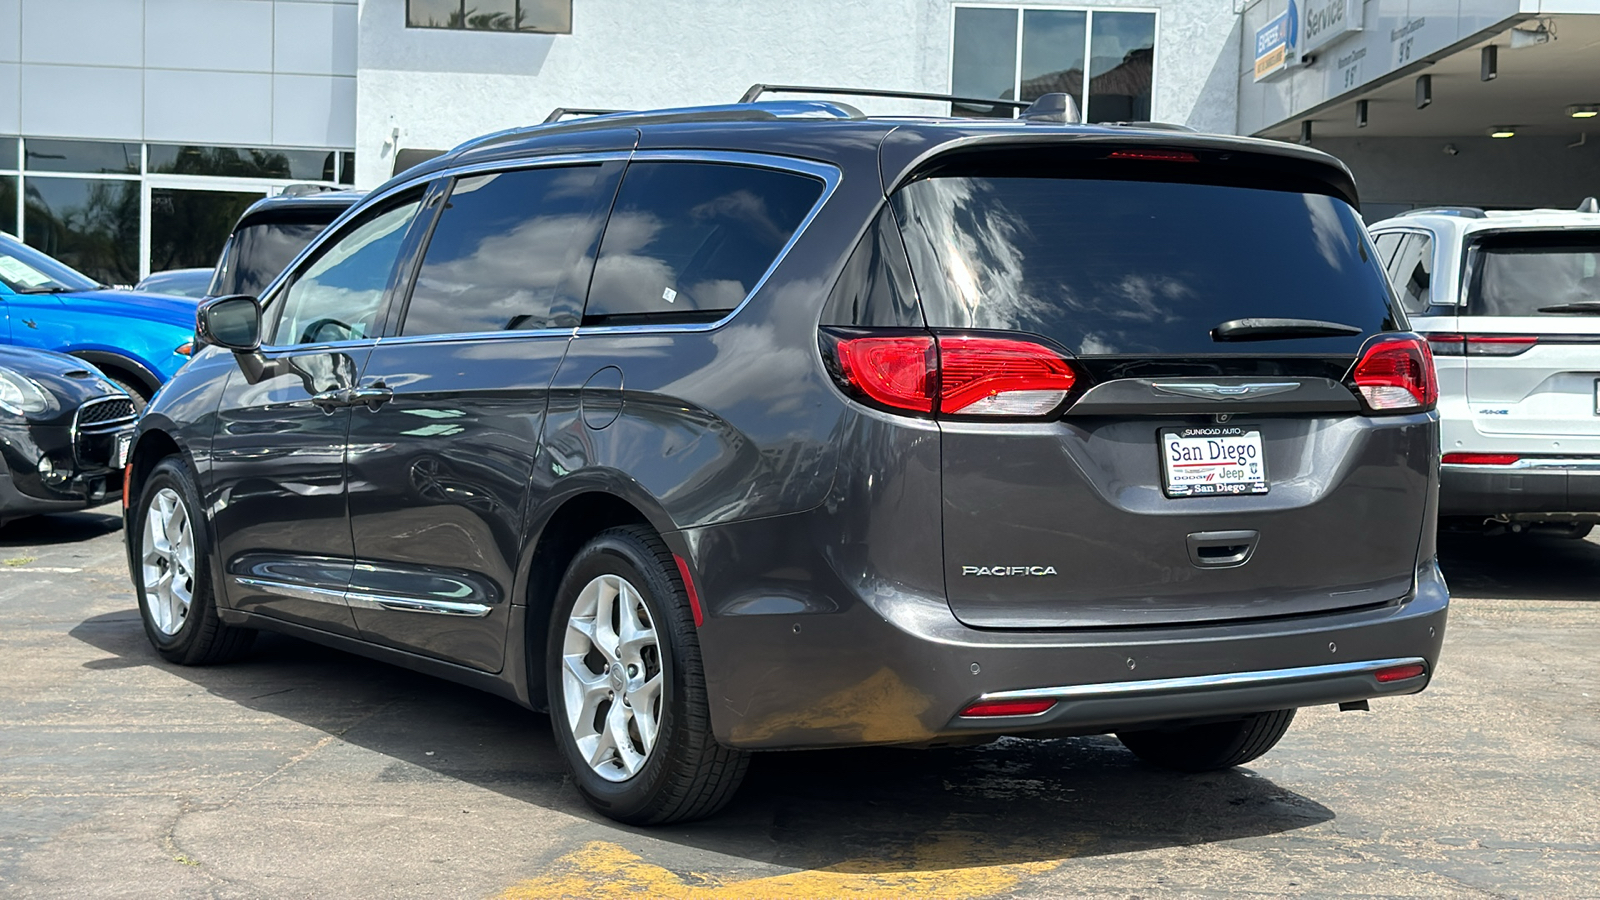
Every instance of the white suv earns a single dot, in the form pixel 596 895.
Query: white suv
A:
pixel 1510 302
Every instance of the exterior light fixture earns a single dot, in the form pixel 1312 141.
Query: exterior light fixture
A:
pixel 1361 113
pixel 1584 110
pixel 1503 131
pixel 1305 132
pixel 1424 91
pixel 1489 63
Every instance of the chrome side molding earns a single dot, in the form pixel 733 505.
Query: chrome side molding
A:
pixel 362 600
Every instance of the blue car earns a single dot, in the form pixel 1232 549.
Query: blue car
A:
pixel 138 340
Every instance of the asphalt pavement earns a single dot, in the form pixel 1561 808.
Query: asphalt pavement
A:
pixel 305 772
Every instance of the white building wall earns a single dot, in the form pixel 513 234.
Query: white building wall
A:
pixel 259 73
pixel 424 88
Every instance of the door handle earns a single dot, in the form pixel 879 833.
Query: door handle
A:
pixel 328 401
pixel 1221 549
pixel 372 396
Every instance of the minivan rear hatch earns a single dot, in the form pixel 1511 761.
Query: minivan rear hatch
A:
pixel 1211 461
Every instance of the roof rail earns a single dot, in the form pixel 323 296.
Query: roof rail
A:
pixel 561 112
pixel 1465 212
pixel 756 90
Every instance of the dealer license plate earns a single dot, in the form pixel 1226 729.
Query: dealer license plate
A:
pixel 1201 462
pixel 124 444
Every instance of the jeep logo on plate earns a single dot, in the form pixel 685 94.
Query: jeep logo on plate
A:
pixel 1008 571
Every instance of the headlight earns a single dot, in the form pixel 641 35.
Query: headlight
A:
pixel 19 395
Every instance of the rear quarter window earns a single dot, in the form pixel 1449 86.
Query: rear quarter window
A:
pixel 688 241
pixel 1147 268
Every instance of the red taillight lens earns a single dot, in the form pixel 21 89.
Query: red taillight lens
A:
pixel 984 708
pixel 1480 459
pixel 983 376
pixel 1396 375
pixel 1481 344
pixel 1155 155
pixel 1400 673
pixel 898 372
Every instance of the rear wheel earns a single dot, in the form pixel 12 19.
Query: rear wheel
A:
pixel 627 695
pixel 1205 748
pixel 177 598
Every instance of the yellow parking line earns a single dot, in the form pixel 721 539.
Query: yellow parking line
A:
pixel 932 871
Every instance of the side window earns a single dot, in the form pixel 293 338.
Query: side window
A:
pixel 1387 244
pixel 511 250
pixel 1411 271
pixel 689 241
pixel 339 295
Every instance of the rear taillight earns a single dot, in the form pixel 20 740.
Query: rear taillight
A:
pixel 952 374
pixel 1480 459
pixel 1395 374
pixel 1480 344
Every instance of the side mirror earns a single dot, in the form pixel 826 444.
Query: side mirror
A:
pixel 232 322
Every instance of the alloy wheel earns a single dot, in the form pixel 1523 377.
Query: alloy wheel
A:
pixel 611 678
pixel 167 561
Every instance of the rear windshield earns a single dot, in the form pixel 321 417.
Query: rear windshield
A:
pixel 1544 274
pixel 1117 268
pixel 257 253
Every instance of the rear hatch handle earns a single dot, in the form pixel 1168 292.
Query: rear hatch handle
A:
pixel 1221 549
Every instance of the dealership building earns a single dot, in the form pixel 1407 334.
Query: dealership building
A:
pixel 132 132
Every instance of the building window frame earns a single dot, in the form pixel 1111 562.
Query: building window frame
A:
pixel 1021 10
pixel 466 25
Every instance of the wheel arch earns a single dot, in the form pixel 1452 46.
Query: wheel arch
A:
pixel 131 370
pixel 560 529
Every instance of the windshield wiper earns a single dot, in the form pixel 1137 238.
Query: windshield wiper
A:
pixel 1591 307
pixel 58 289
pixel 1280 329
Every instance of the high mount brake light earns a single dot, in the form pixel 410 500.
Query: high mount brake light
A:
pixel 1395 374
pixel 959 375
pixel 1155 155
pixel 1480 344
pixel 1480 459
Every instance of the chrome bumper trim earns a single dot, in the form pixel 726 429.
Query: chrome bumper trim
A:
pixel 1575 463
pixel 1156 686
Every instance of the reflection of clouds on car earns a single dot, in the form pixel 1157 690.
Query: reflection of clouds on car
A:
pixel 1333 241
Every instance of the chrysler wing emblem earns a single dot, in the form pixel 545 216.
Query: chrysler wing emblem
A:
pixel 1206 391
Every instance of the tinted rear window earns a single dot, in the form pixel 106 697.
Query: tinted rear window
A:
pixel 1548 274
pixel 1116 268
pixel 689 241
pixel 257 253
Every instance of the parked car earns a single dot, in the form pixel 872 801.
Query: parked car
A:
pixel 773 426
pixel 1510 303
pixel 272 232
pixel 137 339
pixel 65 430
pixel 178 282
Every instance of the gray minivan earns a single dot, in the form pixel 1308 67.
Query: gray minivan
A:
pixel 776 425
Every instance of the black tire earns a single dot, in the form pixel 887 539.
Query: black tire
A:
pixel 134 391
pixel 1206 748
pixel 686 774
pixel 203 639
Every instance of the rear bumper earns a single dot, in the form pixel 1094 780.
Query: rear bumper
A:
pixel 835 663
pixel 1541 485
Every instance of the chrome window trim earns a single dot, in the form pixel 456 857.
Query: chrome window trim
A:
pixel 1156 686
pixel 829 174
pixel 1563 463
pixel 362 599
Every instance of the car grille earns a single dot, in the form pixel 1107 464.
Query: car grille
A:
pixel 105 412
pixel 95 430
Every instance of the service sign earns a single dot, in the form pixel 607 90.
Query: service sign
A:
pixel 1327 21
pixel 1275 43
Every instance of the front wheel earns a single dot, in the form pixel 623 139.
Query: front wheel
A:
pixel 1206 748
pixel 177 599
pixel 627 695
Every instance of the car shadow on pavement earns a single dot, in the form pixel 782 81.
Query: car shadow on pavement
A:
pixel 1525 567
pixel 864 810
pixel 61 528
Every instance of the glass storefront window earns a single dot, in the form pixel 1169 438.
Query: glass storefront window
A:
pixel 94 157
pixel 91 225
pixel 8 152
pixel 243 162
pixel 1120 47
pixel 1122 51
pixel 8 204
pixel 543 16
pixel 189 227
